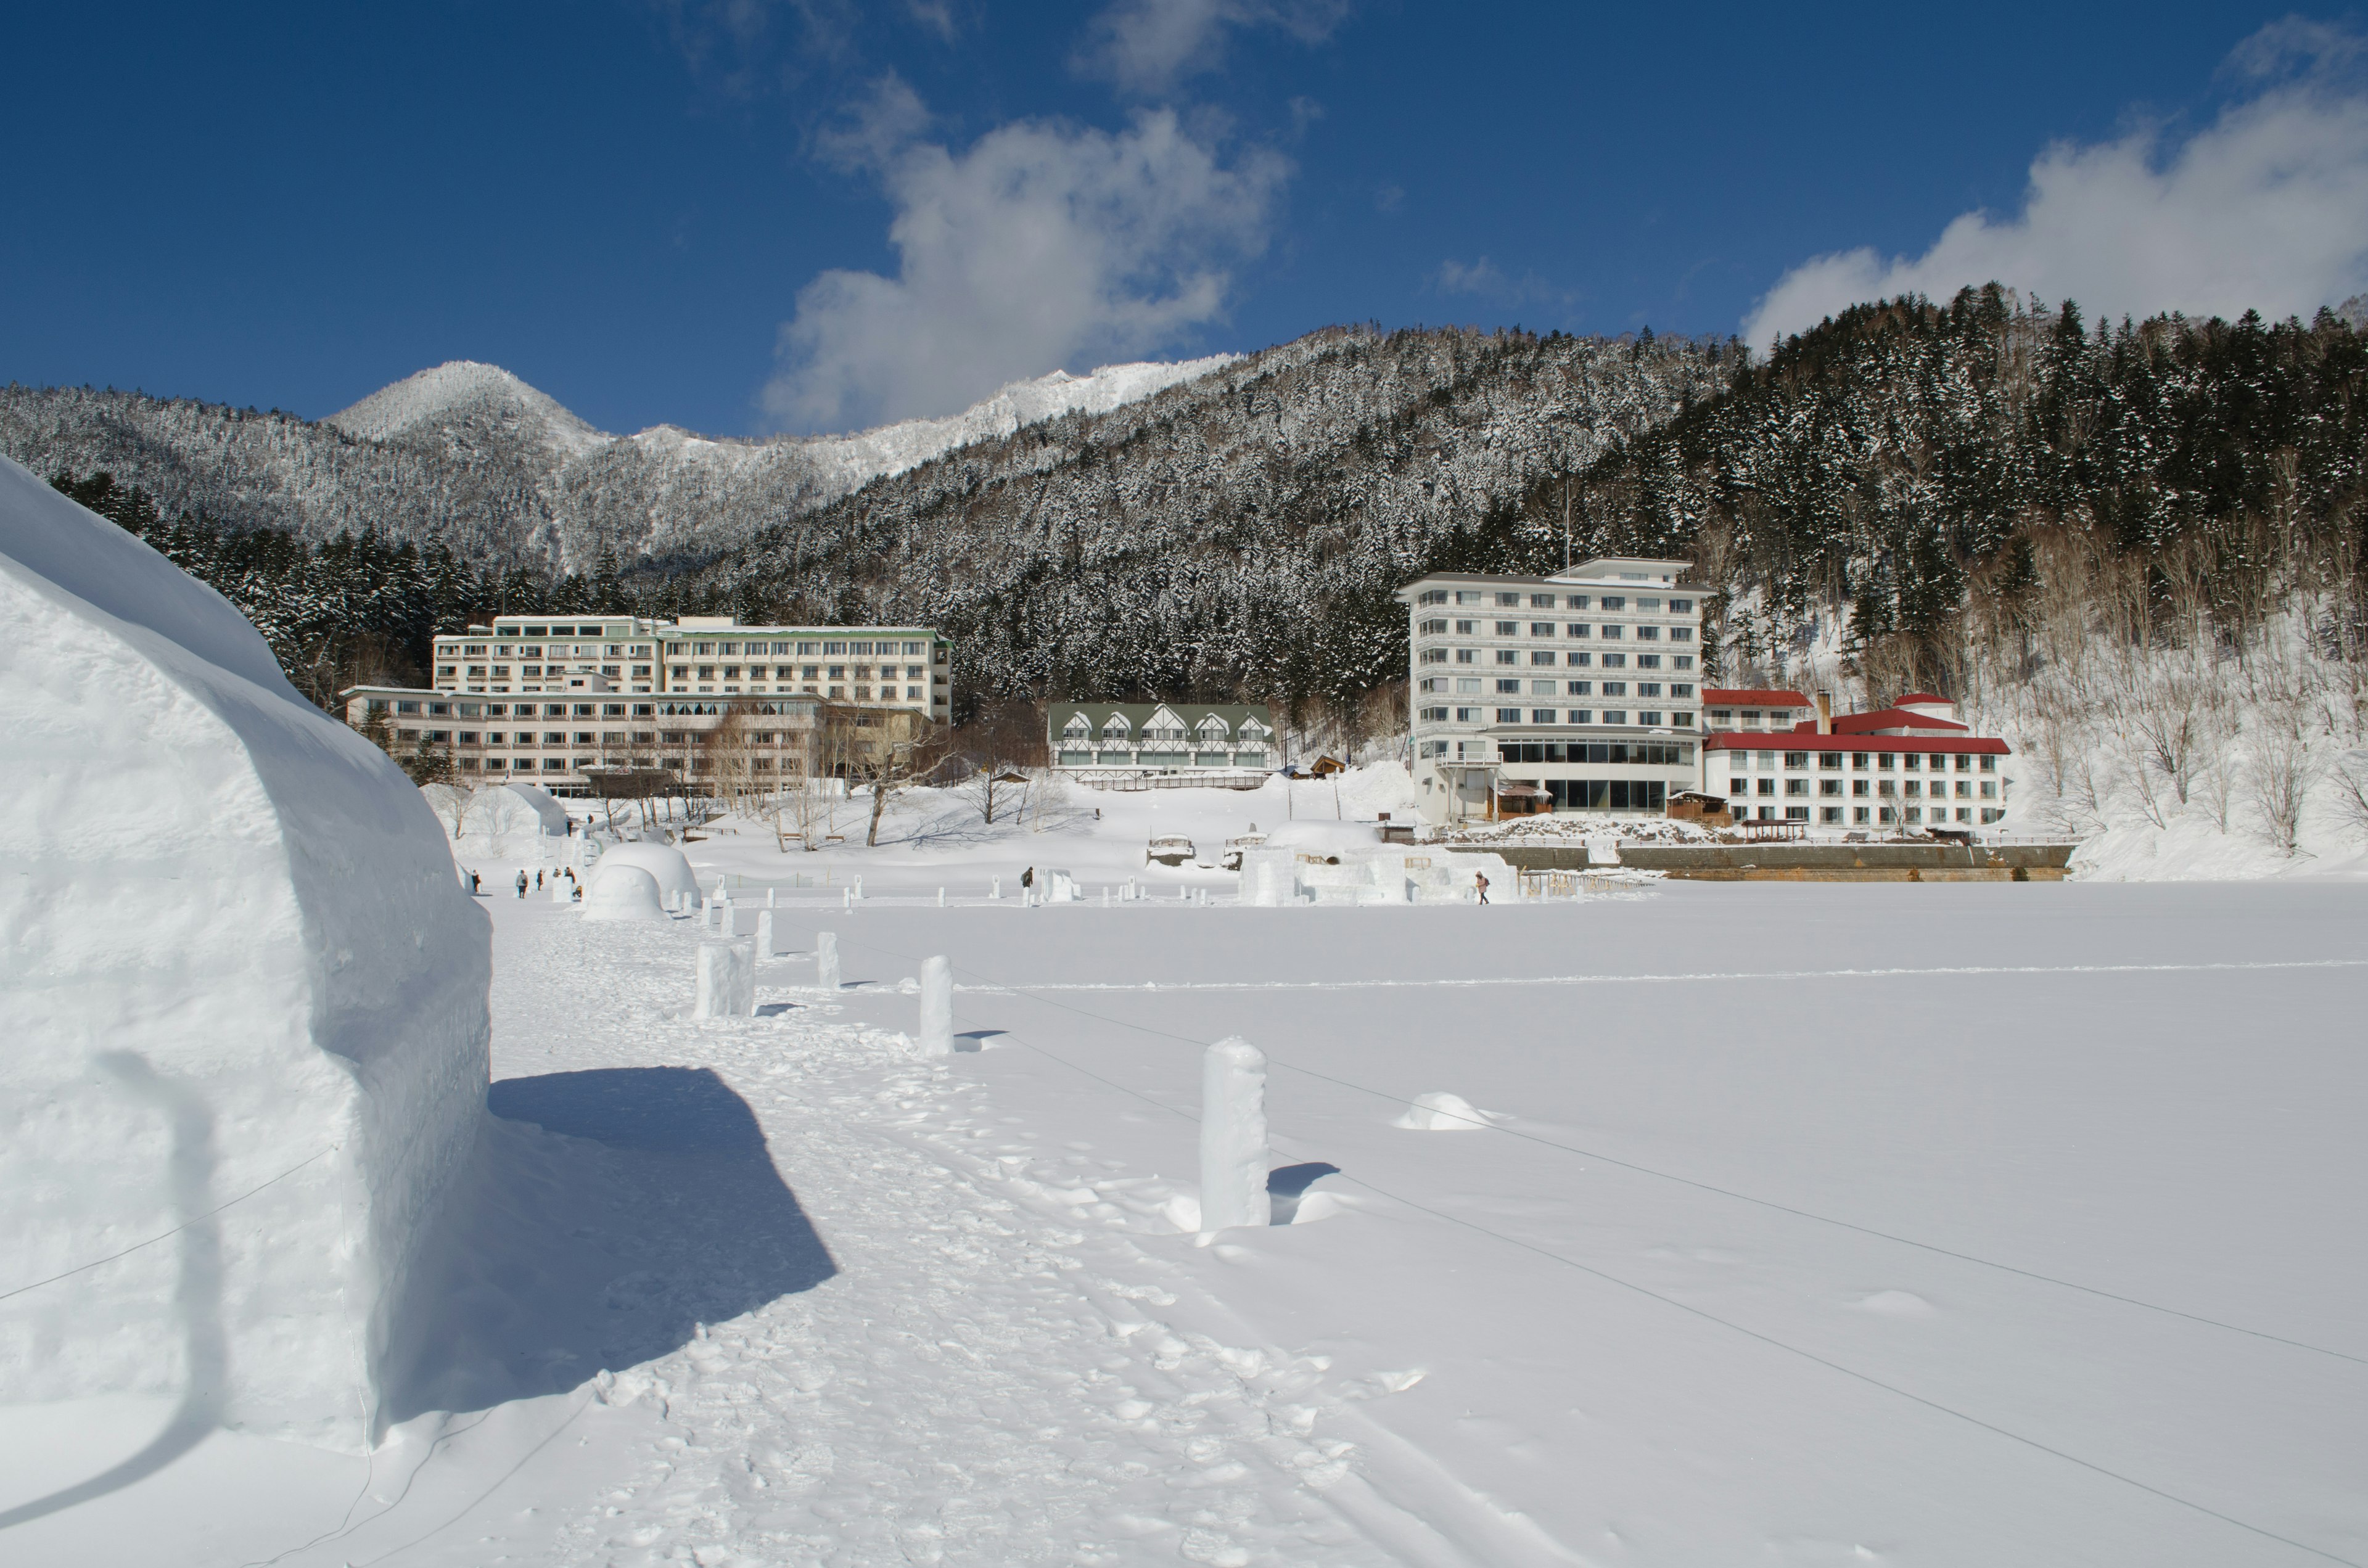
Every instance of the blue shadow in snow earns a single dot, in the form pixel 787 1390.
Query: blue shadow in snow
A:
pixel 656 1210
pixel 1286 1184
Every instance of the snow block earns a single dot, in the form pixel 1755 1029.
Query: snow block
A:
pixel 727 980
pixel 1233 1137
pixel 244 1002
pixel 937 1007
pixel 827 960
pixel 622 893
pixel 764 949
pixel 1059 887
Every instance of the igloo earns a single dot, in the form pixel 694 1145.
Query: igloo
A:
pixel 622 893
pixel 245 1002
pixel 664 863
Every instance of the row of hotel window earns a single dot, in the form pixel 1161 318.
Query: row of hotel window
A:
pixel 584 763
pixel 1863 816
pixel 1649 718
pixel 1863 761
pixel 1910 787
pixel 1611 631
pixel 604 738
pixel 1544 658
pixel 406 705
pixel 508 650
pixel 682 672
pixel 1648 604
pixel 1681 690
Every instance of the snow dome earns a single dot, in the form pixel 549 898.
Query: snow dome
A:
pixel 664 863
pixel 622 893
pixel 245 1002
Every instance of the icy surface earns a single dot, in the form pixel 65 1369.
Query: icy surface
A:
pixel 242 981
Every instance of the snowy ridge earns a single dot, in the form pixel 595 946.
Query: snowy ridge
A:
pixel 461 392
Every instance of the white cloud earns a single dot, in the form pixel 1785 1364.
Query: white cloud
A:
pixel 1484 279
pixel 1148 45
pixel 2265 208
pixel 1040 246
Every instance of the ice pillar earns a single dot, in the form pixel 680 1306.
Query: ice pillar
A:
pixel 1232 1136
pixel 937 1006
pixel 727 980
pixel 764 932
pixel 827 960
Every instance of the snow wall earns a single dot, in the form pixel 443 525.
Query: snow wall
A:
pixel 241 978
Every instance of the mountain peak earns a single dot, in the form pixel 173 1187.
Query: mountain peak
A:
pixel 461 392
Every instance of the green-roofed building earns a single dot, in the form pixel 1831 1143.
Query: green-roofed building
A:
pixel 1161 737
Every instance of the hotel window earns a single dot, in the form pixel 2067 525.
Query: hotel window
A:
pixel 1648 634
pixel 1467 683
pixel 1434 597
pixel 1467 656
pixel 1434 715
pixel 1829 786
pixel 1649 661
pixel 1579 689
pixel 1858 787
pixel 1508 628
pixel 1507 687
pixel 1509 715
pixel 1684 719
pixel 1796 814
pixel 1509 601
pixel 1542 715
pixel 1615 661
pixel 1436 627
pixel 1797 786
pixel 1682 688
pixel 1681 633
pixel 1541 601
pixel 1579 658
pixel 1886 760
pixel 1508 656
pixel 1575 601
pixel 1615 716
pixel 1738 786
pixel 1681 607
pixel 1612 601
pixel 1648 688
pixel 1648 717
pixel 1581 716
pixel 1766 786
pixel 1615 688
pixel 1796 759
pixel 1579 629
pixel 1829 814
pixel 1542 655
pixel 1610 630
pixel 1466 628
pixel 1990 763
pixel 1467 715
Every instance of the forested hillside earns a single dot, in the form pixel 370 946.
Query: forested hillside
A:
pixel 1239 534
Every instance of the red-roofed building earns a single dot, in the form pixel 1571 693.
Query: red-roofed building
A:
pixel 1911 764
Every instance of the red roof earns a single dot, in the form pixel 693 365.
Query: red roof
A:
pixel 1919 697
pixel 1724 696
pixel 1892 719
pixel 1805 738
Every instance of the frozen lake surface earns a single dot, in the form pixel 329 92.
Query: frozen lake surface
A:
pixel 1965 1224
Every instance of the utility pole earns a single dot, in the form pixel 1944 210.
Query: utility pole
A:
pixel 1565 525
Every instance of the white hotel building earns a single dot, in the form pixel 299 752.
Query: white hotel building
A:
pixel 1911 764
pixel 1574 692
pixel 610 692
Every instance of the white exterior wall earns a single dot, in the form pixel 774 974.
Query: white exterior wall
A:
pixel 1781 775
pixel 1631 677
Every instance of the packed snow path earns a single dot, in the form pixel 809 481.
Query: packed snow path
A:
pixel 970 1385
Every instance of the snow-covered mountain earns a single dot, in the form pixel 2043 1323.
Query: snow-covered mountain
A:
pixel 470 455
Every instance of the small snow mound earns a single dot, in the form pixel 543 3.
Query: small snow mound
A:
pixel 1444 1112
pixel 623 893
pixel 1896 1304
pixel 661 863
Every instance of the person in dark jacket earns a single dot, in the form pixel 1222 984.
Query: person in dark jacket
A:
pixel 521 885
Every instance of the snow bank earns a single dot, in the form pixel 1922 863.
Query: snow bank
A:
pixel 245 1001
pixel 1442 1112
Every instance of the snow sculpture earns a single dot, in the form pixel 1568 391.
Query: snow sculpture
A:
pixel 727 980
pixel 1059 887
pixel 1442 1112
pixel 1232 1136
pixel 627 892
pixel 280 1065
pixel 663 861
pixel 1603 850
pixel 937 1007
pixel 827 960
pixel 764 932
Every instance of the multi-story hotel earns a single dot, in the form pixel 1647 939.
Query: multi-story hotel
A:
pixel 619 693
pixel 1574 692
pixel 1911 764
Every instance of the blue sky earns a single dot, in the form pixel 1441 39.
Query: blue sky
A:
pixel 741 216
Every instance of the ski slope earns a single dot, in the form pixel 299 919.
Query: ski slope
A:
pixel 1813 1223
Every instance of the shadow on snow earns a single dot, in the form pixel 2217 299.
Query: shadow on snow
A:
pixel 607 1214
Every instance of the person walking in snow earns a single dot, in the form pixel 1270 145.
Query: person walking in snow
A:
pixel 474 886
pixel 1480 879
pixel 538 879
pixel 1028 878
pixel 521 883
